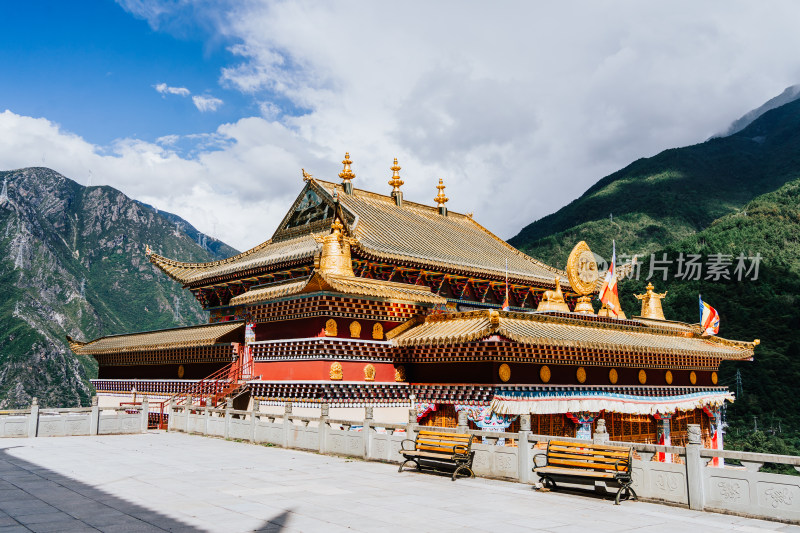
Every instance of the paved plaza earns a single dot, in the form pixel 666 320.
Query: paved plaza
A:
pixel 176 482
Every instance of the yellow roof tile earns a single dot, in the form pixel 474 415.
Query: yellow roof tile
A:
pixel 204 335
pixel 542 329
pixel 413 234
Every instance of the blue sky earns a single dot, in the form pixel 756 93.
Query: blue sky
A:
pixel 519 107
pixel 91 67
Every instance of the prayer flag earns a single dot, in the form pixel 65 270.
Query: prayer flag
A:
pixel 709 318
pixel 608 292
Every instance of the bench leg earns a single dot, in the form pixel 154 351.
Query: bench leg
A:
pixel 625 492
pixel 463 467
pixel 407 461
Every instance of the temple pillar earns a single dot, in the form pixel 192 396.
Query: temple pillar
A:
pixel 720 432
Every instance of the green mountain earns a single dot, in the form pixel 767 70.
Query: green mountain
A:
pixel 766 307
pixel 671 196
pixel 72 262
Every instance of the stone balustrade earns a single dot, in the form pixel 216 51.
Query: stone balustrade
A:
pixel 688 481
pixel 74 421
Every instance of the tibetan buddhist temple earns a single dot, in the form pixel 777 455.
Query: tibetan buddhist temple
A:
pixel 364 299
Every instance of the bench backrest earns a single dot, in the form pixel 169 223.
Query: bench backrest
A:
pixel 589 456
pixel 447 444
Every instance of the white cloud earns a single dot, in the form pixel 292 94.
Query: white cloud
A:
pixel 206 103
pixel 165 89
pixel 519 107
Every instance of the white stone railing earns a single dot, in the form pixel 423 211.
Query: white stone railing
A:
pixel 40 422
pixel 692 482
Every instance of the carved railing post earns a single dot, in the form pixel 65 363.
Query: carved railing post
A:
pixel 600 434
pixel 463 422
pixel 206 415
pixel 324 428
pixel 524 463
pixel 228 417
pixel 33 418
pixel 170 414
pixel 287 423
pixel 412 424
pixel 694 468
pixel 94 421
pixel 253 420
pixel 367 431
pixel 145 413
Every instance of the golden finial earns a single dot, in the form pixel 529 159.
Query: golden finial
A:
pixel 347 174
pixel 306 175
pixel 147 250
pixel 553 300
pixel 440 199
pixel 395 182
pixel 651 303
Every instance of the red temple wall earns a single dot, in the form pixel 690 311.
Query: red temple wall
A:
pixel 320 370
pixel 169 371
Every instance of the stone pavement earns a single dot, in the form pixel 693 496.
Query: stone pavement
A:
pixel 176 482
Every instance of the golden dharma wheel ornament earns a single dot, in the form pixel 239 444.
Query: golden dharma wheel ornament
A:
pixel 581 374
pixel 505 372
pixel 355 329
pixel 693 377
pixel 182 371
pixel 642 377
pixel 668 377
pixel 613 376
pixel 336 371
pixel 582 269
pixel 369 373
pixel 714 378
pixel 400 374
pixel 544 374
pixel 377 331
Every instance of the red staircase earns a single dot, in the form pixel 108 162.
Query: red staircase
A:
pixel 225 383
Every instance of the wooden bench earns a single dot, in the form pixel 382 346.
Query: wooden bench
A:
pixel 586 462
pixel 440 451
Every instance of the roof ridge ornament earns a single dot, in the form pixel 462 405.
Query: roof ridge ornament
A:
pixel 554 300
pixel 335 257
pixel 306 175
pixel 441 199
pixel 396 183
pixel 347 174
pixel 651 303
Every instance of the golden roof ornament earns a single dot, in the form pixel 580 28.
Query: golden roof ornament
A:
pixel 554 300
pixel 395 181
pixel 651 303
pixel 583 274
pixel 335 258
pixel 347 174
pixel 440 199
pixel 306 175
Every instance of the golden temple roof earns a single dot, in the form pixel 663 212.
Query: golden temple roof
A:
pixel 320 281
pixel 414 234
pixel 543 329
pixel 205 335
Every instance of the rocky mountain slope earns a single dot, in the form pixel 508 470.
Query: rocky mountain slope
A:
pixel 660 200
pixel 72 262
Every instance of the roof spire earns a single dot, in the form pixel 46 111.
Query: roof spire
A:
pixel 396 182
pixel 346 174
pixel 441 199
